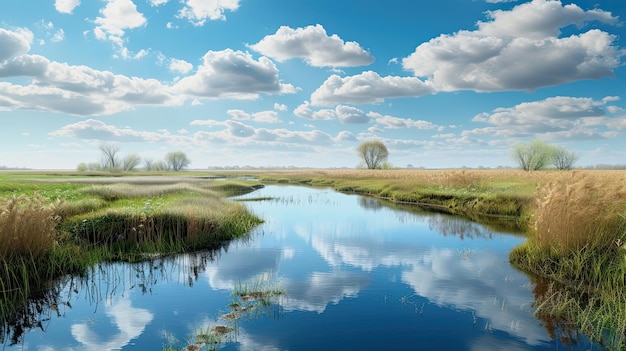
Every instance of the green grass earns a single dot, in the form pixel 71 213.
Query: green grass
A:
pixel 51 226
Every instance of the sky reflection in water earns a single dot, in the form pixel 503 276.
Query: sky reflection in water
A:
pixel 358 275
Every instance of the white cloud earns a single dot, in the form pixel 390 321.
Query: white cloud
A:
pixel 560 117
pixel 238 135
pixel 180 66
pixel 58 36
pixel 266 117
pixel 118 16
pixel 313 45
pixel 78 90
pixel 345 114
pixel 92 129
pixel 539 19
pixel 280 107
pixel 351 115
pixel 519 50
pixel 367 88
pixel 238 115
pixel 305 111
pixel 14 43
pixel 198 11
pixel 263 116
pixel 66 6
pixel 390 122
pixel 233 74
pixel 81 90
pixel 158 2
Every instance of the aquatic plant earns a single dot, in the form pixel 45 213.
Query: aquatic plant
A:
pixel 250 299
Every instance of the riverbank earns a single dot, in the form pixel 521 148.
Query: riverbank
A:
pixel 52 226
pixel 575 223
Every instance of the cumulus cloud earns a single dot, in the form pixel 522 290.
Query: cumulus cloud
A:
pixel 92 129
pixel 314 46
pixel 345 114
pixel 390 122
pixel 560 117
pixel 539 19
pixel 118 16
pixel 280 107
pixel 233 74
pixel 198 11
pixel 180 66
pixel 78 90
pixel 263 116
pixel 158 2
pixel 237 134
pixel 14 43
pixel 519 50
pixel 306 111
pixel 66 6
pixel 81 90
pixel 353 115
pixel 367 88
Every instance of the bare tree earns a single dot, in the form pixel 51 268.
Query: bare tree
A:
pixel 564 159
pixel 373 153
pixel 148 164
pixel 177 160
pixel 131 161
pixel 109 161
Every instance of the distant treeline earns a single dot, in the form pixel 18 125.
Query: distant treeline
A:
pixel 5 168
pixel 608 167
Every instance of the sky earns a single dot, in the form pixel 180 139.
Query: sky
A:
pixel 284 83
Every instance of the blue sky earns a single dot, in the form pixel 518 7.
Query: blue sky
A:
pixel 443 84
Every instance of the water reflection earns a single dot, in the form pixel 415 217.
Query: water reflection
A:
pixel 358 274
pixel 129 321
pixel 105 290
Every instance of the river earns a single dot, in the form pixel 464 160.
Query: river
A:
pixel 347 272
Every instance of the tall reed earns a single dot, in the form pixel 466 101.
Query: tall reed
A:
pixel 27 227
pixel 579 211
pixel 28 236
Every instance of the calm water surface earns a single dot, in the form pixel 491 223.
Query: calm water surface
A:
pixel 357 275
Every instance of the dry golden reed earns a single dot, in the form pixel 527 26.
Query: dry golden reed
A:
pixel 27 226
pixel 581 209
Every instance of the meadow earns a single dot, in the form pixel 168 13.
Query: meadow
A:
pixel 575 222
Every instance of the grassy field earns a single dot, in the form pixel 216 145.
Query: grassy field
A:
pixel 575 222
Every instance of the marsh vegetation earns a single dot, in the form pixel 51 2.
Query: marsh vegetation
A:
pixel 51 227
